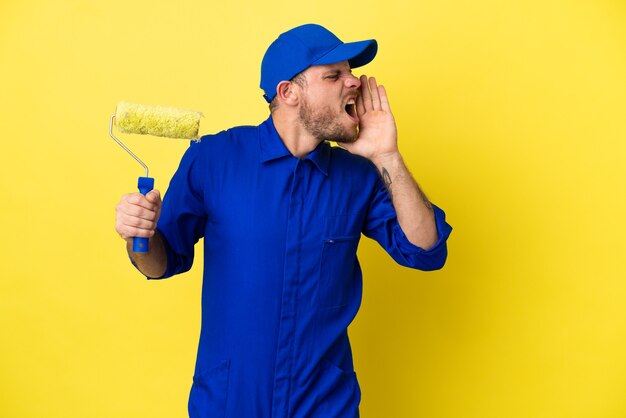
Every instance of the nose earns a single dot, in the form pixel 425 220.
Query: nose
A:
pixel 352 82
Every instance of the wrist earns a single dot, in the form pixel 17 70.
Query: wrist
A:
pixel 387 159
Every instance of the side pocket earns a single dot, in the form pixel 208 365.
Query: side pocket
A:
pixel 209 392
pixel 336 272
pixel 340 394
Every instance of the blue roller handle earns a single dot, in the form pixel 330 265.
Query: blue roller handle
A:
pixel 145 184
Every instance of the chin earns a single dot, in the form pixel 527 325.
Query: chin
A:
pixel 347 137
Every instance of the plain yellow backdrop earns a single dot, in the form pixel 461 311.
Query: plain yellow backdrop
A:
pixel 511 116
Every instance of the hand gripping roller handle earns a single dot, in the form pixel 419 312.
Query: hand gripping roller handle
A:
pixel 144 184
pixel 163 121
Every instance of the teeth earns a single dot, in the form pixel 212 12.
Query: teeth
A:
pixel 351 102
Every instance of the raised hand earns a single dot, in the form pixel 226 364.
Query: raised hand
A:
pixel 378 135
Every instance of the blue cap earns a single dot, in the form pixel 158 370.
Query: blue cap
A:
pixel 299 48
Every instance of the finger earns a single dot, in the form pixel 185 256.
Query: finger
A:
pixel 154 196
pixel 134 222
pixel 136 211
pixel 127 232
pixel 375 96
pixel 365 94
pixel 360 108
pixel 139 200
pixel 384 101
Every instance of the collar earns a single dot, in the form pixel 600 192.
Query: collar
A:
pixel 272 148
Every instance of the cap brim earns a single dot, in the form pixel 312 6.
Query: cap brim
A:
pixel 356 53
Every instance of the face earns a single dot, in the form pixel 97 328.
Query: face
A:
pixel 327 108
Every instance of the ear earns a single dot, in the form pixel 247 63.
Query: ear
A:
pixel 288 93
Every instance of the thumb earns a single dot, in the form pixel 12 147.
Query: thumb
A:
pixel 153 196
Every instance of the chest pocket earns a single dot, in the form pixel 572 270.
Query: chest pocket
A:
pixel 338 261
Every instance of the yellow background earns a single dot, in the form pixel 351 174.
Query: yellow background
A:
pixel 511 116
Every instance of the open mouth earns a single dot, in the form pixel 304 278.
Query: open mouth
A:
pixel 350 109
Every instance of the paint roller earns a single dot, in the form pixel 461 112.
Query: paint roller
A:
pixel 163 121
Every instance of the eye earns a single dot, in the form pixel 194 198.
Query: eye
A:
pixel 333 77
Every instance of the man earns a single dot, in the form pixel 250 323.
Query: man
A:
pixel 282 212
